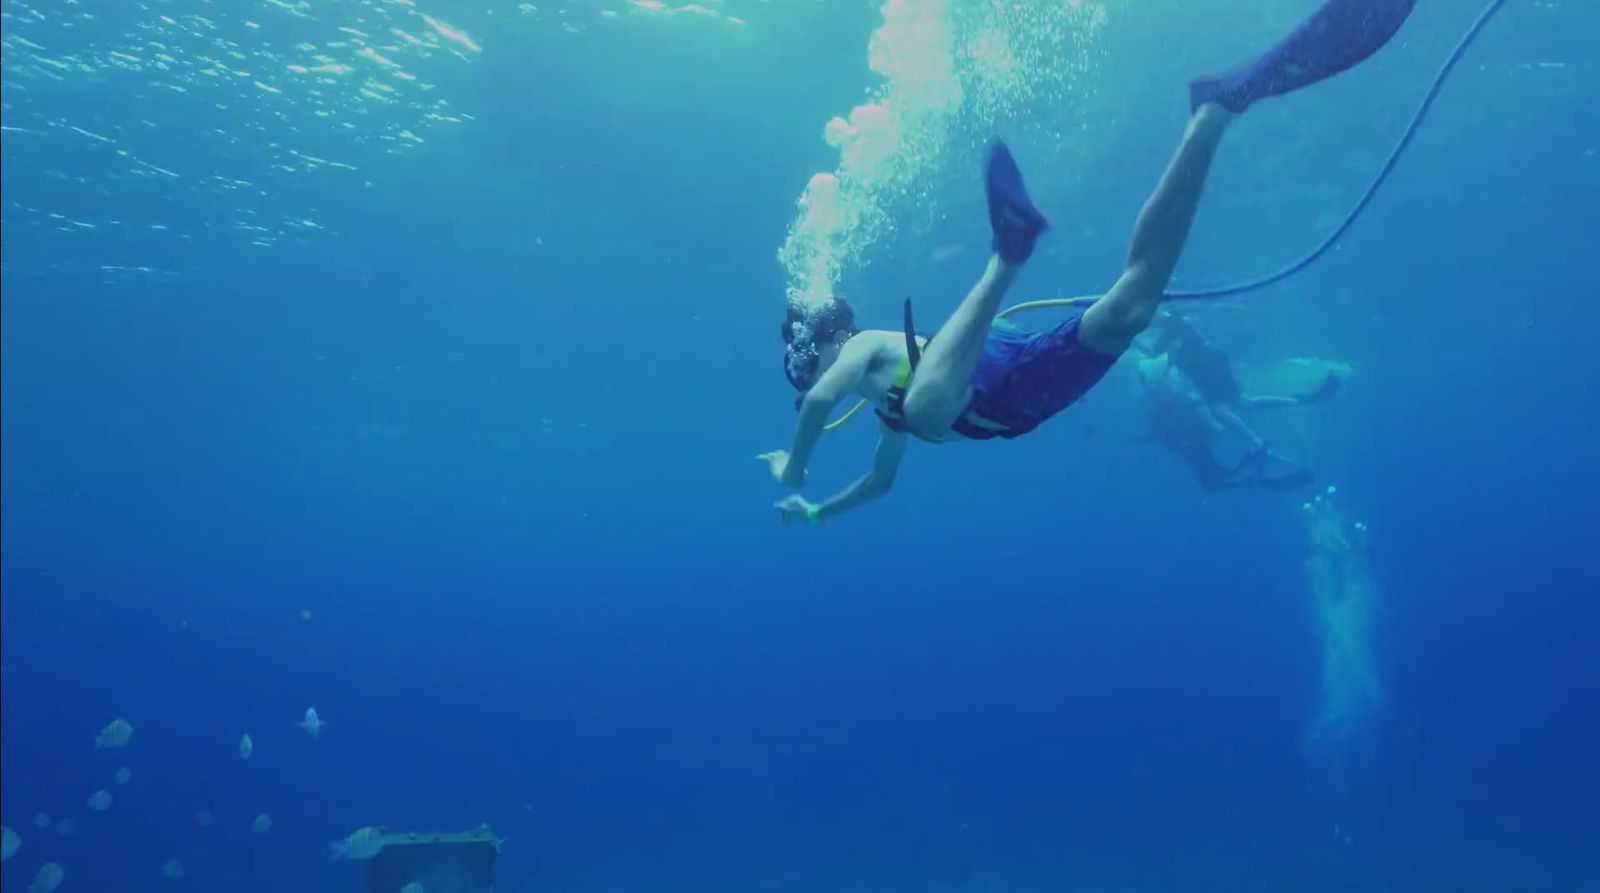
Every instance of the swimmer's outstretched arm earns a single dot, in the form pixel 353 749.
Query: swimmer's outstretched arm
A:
pixel 1329 387
pixel 855 359
pixel 885 464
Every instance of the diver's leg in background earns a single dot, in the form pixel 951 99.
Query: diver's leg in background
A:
pixel 942 385
pixel 1229 417
pixel 1208 472
pixel 1338 35
pixel 1110 324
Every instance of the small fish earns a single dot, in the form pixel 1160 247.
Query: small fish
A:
pixel 414 887
pixel 246 747
pixel 66 827
pixel 362 844
pixel 172 869
pixel 10 842
pixel 203 818
pixel 262 824
pixel 115 734
pixel 100 800
pixel 41 820
pixel 312 723
pixel 124 775
pixel 48 878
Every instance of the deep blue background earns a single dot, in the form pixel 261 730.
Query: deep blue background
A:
pixel 513 484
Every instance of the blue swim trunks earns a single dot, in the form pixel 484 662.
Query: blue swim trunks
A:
pixel 1026 377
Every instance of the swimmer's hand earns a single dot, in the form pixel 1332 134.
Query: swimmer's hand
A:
pixel 778 463
pixel 795 508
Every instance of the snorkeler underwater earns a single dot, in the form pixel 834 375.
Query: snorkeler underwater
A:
pixel 985 380
pixel 381 381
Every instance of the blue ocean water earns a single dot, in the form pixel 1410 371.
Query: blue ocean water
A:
pixel 407 360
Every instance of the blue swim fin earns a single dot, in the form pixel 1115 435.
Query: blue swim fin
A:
pixel 1336 37
pixel 1012 215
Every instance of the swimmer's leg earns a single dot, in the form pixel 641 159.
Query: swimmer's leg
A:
pixel 1337 36
pixel 941 387
pixel 1111 323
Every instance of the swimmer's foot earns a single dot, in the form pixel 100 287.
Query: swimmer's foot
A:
pixel 1336 37
pixel 1016 222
